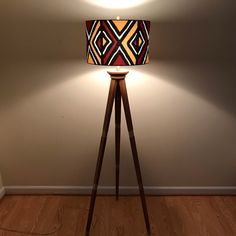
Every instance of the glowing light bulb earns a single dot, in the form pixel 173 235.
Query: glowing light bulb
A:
pixel 118 18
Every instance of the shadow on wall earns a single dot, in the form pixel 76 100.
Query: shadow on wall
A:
pixel 21 80
pixel 213 82
pixel 196 55
pixel 204 55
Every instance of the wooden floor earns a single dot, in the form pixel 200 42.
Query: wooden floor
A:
pixel 170 216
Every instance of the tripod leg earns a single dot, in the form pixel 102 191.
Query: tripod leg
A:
pixel 124 96
pixel 117 136
pixel 106 123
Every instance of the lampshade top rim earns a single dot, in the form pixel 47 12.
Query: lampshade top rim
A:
pixel 117 20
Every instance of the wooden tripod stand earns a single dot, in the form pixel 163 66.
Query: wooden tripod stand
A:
pixel 117 92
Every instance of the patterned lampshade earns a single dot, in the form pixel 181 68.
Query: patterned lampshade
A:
pixel 117 42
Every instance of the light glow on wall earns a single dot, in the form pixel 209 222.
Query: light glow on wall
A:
pixel 118 4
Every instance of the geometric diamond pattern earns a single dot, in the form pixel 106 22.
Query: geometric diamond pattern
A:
pixel 117 42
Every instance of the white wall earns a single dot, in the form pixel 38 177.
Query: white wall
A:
pixel 52 105
pixel 1 185
pixel 2 190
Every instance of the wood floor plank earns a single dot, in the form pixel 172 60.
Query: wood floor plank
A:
pixel 169 216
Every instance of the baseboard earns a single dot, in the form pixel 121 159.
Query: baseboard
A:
pixel 124 190
pixel 2 193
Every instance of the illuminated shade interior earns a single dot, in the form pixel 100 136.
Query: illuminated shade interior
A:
pixel 117 42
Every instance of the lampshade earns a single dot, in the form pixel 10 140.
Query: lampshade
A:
pixel 117 42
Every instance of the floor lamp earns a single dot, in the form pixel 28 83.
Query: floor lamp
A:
pixel 117 43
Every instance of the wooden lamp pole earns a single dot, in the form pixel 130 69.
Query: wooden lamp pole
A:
pixel 117 93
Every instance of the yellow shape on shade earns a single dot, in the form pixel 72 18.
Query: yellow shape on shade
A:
pixel 140 41
pixel 104 41
pixel 90 60
pixel 120 24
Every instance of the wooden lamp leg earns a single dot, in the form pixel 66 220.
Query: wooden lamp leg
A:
pixel 106 124
pixel 124 96
pixel 117 92
pixel 117 136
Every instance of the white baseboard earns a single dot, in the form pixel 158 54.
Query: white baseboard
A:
pixel 130 190
pixel 2 192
